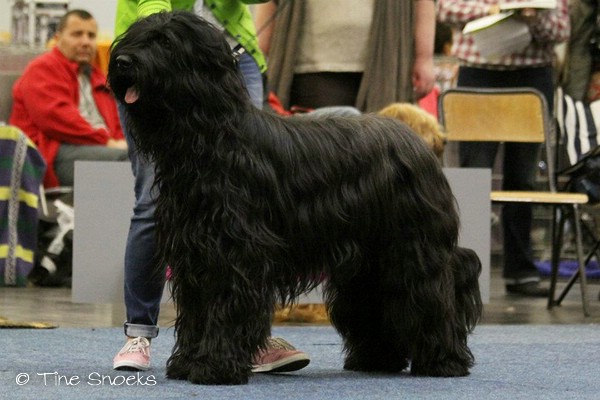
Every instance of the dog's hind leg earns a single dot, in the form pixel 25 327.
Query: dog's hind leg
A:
pixel 355 309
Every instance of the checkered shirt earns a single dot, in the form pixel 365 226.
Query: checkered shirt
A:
pixel 547 29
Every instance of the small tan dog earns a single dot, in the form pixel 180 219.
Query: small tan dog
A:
pixel 420 121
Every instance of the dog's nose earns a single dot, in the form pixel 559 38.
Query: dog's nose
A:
pixel 124 61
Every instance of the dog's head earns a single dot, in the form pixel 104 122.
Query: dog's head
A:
pixel 174 61
pixel 421 122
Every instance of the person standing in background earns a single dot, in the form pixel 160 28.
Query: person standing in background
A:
pixel 362 53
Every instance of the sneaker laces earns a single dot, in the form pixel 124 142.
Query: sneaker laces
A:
pixel 137 345
pixel 276 343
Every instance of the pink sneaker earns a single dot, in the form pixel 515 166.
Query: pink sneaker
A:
pixel 279 356
pixel 135 355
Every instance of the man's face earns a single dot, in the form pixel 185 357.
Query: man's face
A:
pixel 77 41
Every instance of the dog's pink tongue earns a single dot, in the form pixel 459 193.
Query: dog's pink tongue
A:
pixel 131 96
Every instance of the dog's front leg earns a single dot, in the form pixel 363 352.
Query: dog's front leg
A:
pixel 219 329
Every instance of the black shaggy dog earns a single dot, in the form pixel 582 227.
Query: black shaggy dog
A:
pixel 255 208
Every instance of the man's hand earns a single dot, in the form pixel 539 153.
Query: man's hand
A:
pixel 117 144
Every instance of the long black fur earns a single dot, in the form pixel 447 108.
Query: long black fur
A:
pixel 255 208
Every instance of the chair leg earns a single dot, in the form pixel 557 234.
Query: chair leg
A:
pixel 580 261
pixel 556 245
pixel 593 252
pixel 568 286
pixel 590 231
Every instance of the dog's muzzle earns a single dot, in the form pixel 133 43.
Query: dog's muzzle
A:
pixel 124 63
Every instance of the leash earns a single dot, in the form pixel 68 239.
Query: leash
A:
pixel 238 50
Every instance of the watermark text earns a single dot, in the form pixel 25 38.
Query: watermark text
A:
pixel 55 378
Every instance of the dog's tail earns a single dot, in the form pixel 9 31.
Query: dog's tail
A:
pixel 466 267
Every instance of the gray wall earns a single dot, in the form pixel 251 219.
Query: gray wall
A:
pixel 104 198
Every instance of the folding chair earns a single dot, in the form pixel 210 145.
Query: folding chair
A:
pixel 517 115
pixel 578 126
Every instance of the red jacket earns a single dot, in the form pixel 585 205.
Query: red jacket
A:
pixel 46 108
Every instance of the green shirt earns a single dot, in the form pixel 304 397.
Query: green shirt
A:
pixel 234 15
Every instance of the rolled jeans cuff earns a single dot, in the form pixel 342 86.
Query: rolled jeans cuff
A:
pixel 136 330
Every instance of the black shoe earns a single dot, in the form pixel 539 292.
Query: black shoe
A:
pixel 529 289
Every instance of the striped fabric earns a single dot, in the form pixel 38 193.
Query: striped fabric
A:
pixel 579 125
pixel 21 173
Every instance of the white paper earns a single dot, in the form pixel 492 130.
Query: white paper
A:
pixel 499 36
pixel 485 22
pixel 513 5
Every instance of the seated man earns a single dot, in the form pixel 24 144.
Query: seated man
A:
pixel 62 103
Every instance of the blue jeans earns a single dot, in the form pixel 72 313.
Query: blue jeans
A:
pixel 519 167
pixel 143 285
pixel 253 80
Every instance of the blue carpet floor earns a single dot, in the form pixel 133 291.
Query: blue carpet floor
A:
pixel 512 362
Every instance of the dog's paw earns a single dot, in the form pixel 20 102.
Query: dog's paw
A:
pixel 178 368
pixel 375 364
pixel 448 368
pixel 201 374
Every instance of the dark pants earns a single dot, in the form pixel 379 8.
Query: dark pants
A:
pixel 519 166
pixel 325 89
